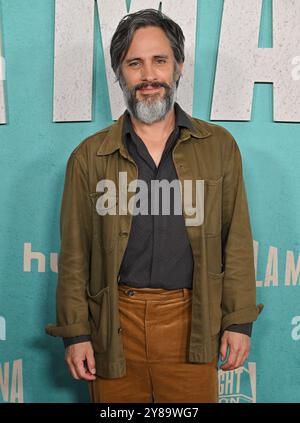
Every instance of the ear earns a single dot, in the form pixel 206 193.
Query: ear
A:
pixel 179 73
pixel 180 68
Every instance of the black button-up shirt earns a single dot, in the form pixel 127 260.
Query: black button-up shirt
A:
pixel 158 253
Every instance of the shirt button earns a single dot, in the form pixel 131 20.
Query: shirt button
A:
pixel 120 330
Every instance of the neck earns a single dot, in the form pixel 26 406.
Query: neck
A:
pixel 156 130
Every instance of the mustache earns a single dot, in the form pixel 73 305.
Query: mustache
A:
pixel 151 85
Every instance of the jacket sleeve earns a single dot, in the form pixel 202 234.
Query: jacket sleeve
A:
pixel 239 284
pixel 74 258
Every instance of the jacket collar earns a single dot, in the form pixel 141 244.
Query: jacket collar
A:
pixel 114 137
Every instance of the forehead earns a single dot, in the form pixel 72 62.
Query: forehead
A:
pixel 149 41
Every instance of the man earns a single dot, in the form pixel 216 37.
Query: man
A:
pixel 147 301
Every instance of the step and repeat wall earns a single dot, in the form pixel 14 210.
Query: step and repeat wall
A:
pixel 242 71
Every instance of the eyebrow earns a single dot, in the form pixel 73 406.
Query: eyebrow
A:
pixel 158 56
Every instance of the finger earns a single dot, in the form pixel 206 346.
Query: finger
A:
pixel 87 371
pixel 81 371
pixel 239 359
pixel 231 360
pixel 244 358
pixel 71 367
pixel 223 349
pixel 245 350
pixel 73 371
pixel 90 359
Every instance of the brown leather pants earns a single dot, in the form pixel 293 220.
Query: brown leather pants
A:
pixel 156 325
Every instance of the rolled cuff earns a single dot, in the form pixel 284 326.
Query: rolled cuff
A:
pixel 67 331
pixel 76 340
pixel 244 328
pixel 245 315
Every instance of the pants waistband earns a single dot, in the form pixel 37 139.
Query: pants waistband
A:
pixel 155 294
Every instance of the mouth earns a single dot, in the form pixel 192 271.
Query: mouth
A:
pixel 149 90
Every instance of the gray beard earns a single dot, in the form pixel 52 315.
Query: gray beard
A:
pixel 152 109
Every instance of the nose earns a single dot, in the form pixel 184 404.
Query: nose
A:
pixel 148 72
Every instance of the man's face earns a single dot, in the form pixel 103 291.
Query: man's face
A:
pixel 148 75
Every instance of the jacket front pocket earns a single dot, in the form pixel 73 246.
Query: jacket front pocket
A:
pixel 215 284
pixel 105 220
pixel 99 312
pixel 213 206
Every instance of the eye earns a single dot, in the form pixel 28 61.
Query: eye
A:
pixel 134 64
pixel 161 61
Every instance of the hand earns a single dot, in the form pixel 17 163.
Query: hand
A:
pixel 239 345
pixel 80 360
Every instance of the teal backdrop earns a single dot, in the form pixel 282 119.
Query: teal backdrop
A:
pixel 34 152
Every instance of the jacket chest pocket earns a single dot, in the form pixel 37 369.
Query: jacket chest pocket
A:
pixel 105 220
pixel 213 206
pixel 99 312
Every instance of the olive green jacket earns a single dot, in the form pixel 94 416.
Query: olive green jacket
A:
pixel 93 245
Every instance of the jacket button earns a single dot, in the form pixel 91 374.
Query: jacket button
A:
pixel 123 233
pixel 130 292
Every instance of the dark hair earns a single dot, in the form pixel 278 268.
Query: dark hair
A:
pixel 123 35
